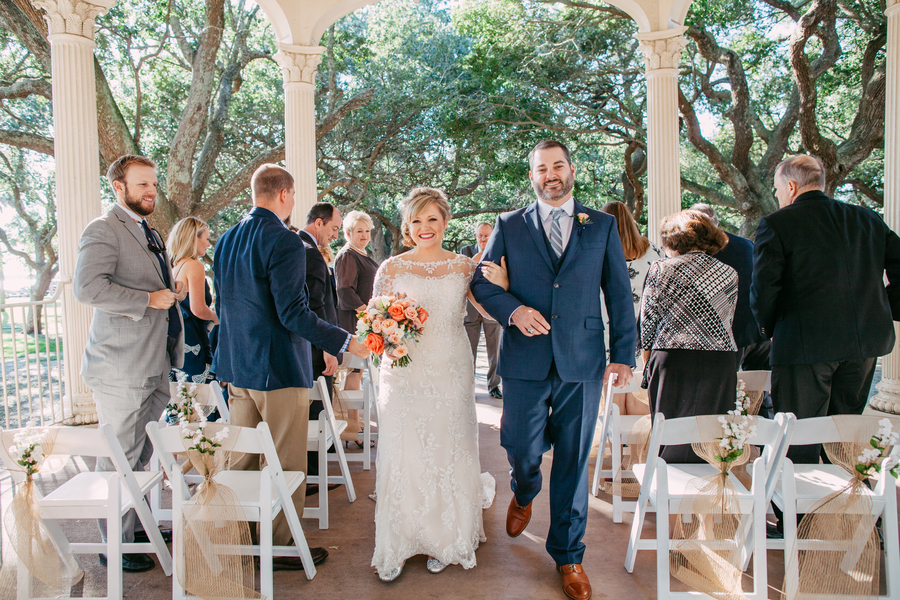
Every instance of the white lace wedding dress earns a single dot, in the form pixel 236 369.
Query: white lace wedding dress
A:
pixel 429 484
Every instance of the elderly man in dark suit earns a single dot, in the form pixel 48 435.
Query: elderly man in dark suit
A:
pixel 475 322
pixel 738 254
pixel 559 255
pixel 265 331
pixel 136 334
pixel 818 290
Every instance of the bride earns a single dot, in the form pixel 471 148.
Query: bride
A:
pixel 429 484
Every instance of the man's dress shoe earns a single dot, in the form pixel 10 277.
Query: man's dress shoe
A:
pixel 141 537
pixel 575 582
pixel 496 393
pixel 133 563
pixel 293 563
pixel 517 518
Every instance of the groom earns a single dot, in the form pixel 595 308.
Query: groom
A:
pixel 559 255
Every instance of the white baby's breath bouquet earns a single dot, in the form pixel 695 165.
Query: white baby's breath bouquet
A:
pixel 881 442
pixel 184 405
pixel 27 449
pixel 737 428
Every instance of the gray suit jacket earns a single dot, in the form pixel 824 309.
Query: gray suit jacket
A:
pixel 114 274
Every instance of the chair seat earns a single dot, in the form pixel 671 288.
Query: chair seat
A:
pixel 312 440
pixel 92 490
pixel 246 484
pixel 680 481
pixel 814 482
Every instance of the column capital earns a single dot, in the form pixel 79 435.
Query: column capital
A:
pixel 893 8
pixel 662 49
pixel 75 17
pixel 299 63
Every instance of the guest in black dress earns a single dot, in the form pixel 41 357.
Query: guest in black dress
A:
pixel 188 240
pixel 355 272
pixel 685 325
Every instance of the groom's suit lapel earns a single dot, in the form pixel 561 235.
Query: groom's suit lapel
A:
pixel 574 239
pixel 533 221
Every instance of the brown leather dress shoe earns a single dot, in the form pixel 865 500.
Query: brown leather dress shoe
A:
pixel 517 518
pixel 575 582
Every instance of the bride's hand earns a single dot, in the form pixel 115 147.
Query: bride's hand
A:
pixel 496 274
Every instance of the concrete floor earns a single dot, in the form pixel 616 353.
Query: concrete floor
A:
pixel 507 568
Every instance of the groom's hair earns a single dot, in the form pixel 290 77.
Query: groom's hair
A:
pixel 546 144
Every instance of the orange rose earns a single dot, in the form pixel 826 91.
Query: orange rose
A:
pixel 396 312
pixel 375 343
pixel 423 315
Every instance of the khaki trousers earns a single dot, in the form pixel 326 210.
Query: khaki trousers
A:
pixel 286 412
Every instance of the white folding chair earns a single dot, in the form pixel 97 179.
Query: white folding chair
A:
pixel 364 401
pixel 261 494
pixel 97 495
pixel 323 434
pixel 801 486
pixel 664 487
pixel 756 381
pixel 617 429
pixel 208 395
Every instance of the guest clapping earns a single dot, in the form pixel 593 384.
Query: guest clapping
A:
pixel 355 272
pixel 189 240
pixel 685 324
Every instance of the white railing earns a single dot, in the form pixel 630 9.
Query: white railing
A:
pixel 31 368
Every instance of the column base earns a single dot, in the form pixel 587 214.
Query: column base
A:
pixel 888 397
pixel 83 408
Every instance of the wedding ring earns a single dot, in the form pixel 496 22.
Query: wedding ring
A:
pixel 531 330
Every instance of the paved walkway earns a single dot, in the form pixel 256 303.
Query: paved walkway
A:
pixel 507 568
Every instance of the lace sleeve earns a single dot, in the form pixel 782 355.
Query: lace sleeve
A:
pixel 469 265
pixel 383 280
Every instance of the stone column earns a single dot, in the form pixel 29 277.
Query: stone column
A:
pixel 298 65
pixel 888 397
pixel 662 49
pixel 77 152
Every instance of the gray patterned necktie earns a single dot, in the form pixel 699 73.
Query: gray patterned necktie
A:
pixel 556 238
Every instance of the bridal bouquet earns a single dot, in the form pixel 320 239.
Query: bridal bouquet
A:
pixel 389 324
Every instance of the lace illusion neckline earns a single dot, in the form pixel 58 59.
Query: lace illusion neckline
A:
pixel 429 266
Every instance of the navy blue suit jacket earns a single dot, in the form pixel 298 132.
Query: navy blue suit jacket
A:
pixel 738 254
pixel 266 325
pixel 568 299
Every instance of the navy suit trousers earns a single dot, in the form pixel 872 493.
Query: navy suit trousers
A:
pixel 538 416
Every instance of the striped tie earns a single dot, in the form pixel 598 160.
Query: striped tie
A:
pixel 556 238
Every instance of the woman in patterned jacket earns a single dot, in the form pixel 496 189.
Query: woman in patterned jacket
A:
pixel 685 325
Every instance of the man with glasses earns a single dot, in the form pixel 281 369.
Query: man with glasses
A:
pixel 136 333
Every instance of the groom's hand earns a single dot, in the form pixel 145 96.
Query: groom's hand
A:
pixel 623 373
pixel 530 322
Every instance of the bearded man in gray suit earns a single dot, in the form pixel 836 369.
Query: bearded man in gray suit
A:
pixel 136 334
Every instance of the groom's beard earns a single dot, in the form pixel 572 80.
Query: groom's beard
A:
pixel 551 195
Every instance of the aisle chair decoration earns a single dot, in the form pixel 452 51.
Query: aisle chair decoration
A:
pixel 27 533
pixel 838 551
pixel 708 556
pixel 212 519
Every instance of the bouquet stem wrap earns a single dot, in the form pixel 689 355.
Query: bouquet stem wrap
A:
pixel 707 554
pixel 29 537
pixel 839 553
pixel 215 545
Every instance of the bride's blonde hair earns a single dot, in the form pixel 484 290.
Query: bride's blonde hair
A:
pixel 415 202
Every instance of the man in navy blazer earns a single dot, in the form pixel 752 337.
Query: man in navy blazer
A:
pixel 265 330
pixel 552 354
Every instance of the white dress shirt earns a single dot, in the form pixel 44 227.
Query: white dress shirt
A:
pixel 565 224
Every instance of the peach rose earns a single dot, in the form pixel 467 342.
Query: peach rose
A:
pixel 396 312
pixel 376 325
pixel 375 343
pixel 416 324
pixel 395 338
pixel 410 313
pixel 388 326
pixel 423 315
pixel 397 353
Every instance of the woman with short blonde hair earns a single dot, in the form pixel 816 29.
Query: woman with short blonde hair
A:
pixel 353 218
pixel 415 202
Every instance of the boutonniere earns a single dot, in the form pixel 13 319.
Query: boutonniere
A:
pixel 583 220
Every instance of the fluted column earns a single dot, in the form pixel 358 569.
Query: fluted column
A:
pixel 662 50
pixel 76 150
pixel 298 66
pixel 888 396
